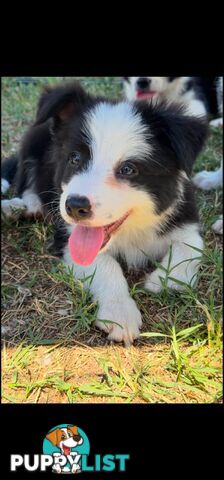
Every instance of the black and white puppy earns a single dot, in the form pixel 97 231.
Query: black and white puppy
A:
pixel 119 172
pixel 198 94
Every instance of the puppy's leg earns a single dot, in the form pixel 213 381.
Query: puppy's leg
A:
pixel 13 207
pixel 181 262
pixel 29 204
pixel 32 202
pixel 110 289
pixel 208 180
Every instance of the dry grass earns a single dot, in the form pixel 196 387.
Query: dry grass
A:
pixel 80 373
pixel 51 351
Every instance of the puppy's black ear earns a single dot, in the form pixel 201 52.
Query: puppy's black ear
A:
pixel 182 136
pixel 60 102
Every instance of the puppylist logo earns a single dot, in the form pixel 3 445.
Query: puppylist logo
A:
pixel 65 450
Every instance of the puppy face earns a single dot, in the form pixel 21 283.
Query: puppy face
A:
pixel 106 165
pixel 119 165
pixel 65 438
pixel 149 88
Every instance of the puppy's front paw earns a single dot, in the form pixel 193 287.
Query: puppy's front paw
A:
pixel 127 317
pixel 155 281
pixel 207 180
pixel 13 207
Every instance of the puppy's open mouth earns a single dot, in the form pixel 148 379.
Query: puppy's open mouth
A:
pixel 112 228
pixel 145 95
pixel 66 449
pixel 86 242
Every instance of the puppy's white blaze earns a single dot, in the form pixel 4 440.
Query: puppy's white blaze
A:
pixel 116 132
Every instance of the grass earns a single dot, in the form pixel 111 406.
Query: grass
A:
pixel 51 351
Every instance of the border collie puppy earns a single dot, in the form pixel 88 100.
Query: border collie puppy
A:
pixel 117 174
pixel 198 94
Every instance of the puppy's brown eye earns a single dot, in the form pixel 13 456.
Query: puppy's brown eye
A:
pixel 74 158
pixel 128 169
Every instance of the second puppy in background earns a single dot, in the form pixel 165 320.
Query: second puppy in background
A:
pixel 197 94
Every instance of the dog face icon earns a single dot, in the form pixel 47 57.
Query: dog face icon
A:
pixel 65 439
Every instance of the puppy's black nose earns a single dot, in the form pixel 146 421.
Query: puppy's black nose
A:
pixel 78 207
pixel 143 83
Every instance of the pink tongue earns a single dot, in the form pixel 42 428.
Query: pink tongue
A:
pixel 84 244
pixel 145 95
pixel 66 450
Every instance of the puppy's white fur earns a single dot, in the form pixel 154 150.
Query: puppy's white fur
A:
pixel 29 203
pixel 218 225
pixel 4 185
pixel 208 180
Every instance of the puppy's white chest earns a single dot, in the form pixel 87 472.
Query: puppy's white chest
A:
pixel 145 247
